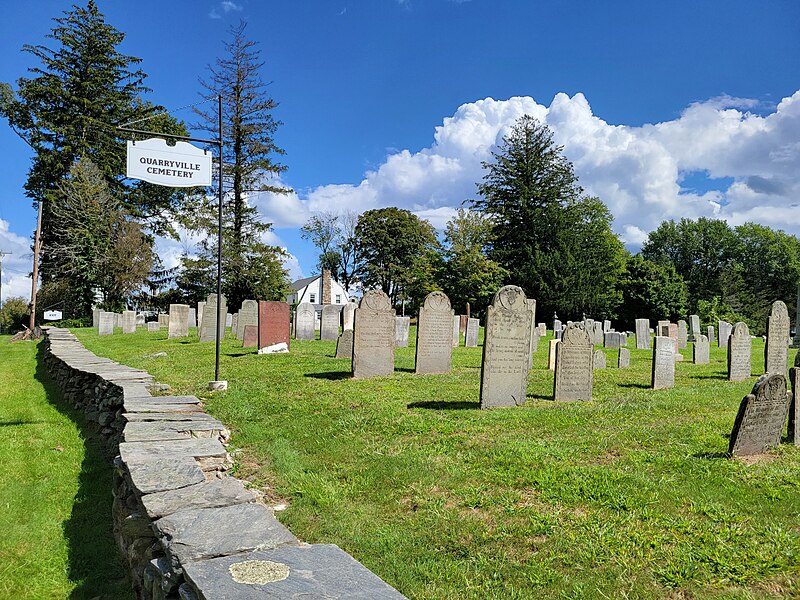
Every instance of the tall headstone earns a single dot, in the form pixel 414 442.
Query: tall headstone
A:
pixel 694 326
pixel 456 331
pixel 606 325
pixel 129 321
pixel 207 331
pixel 598 333
pixel 462 324
pixel 683 335
pixel 551 352
pixel 248 315
pixel 724 329
pixel 663 373
pixel 662 328
pixel 373 336
pixel 599 360
pixel 797 317
pixel 642 334
pixel 506 347
pixel 106 322
pixel 740 347
pixel 178 321
pixel 118 320
pixel 611 339
pixel 434 335
pixel 534 336
pixel 228 319
pixel 624 358
pixel 794 405
pixel 402 325
pixel 201 307
pixel 344 345
pixel 348 314
pixel 701 350
pixel 776 351
pixel 574 363
pixel 96 317
pixel 710 334
pixel 192 318
pixel 473 328
pixel 556 326
pixel 305 319
pixel 235 325
pixel 329 325
pixel 762 414
pixel 273 324
pixel 140 320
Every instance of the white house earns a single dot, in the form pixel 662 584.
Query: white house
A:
pixel 318 290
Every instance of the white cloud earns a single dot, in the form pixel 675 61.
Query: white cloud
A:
pixel 225 6
pixel 17 265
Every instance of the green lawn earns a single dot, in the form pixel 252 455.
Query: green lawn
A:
pixel 55 492
pixel 628 496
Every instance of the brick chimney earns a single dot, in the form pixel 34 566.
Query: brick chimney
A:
pixel 326 286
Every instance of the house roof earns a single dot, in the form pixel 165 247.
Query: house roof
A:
pixel 301 283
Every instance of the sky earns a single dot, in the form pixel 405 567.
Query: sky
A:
pixel 666 109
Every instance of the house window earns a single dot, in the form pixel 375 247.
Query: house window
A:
pixel 338 298
pixel 312 298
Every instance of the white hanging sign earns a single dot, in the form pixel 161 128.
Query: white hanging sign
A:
pixel 52 315
pixel 181 165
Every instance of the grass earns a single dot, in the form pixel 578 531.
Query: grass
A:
pixel 55 495
pixel 628 496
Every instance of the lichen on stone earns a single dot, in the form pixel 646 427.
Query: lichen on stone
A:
pixel 258 571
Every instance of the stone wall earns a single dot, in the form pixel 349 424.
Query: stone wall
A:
pixel 185 527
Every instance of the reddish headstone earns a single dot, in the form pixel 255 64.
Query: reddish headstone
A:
pixel 250 336
pixel 273 323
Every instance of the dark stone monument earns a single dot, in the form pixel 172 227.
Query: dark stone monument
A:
pixel 506 348
pixel 762 414
pixel 739 353
pixel 373 336
pixel 434 335
pixel 776 351
pixel 473 327
pixel 329 326
pixel 663 374
pixel 273 323
pixel 624 358
pixel 344 345
pixel 701 350
pixel 642 334
pixel 250 339
pixel 305 319
pixel 599 360
pixel 573 369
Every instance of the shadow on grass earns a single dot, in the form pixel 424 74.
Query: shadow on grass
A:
pixel 95 563
pixel 18 423
pixel 640 386
pixel 722 377
pixel 540 396
pixel 405 370
pixel 332 375
pixel 444 405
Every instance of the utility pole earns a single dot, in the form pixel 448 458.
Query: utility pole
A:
pixel 2 254
pixel 37 246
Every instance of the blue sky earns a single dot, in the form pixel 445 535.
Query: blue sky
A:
pixel 667 109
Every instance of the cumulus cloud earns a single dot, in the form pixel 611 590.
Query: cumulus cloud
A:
pixel 637 171
pixel 17 265
pixel 225 6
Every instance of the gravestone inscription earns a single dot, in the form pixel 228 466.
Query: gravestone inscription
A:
pixel 434 335
pixel 611 339
pixel 329 325
pixel 762 414
pixel 129 321
pixel 663 370
pixel 456 331
pixel 305 318
pixel 776 350
pixel 534 337
pixel 739 353
pixel 106 322
pixel 573 369
pixel 153 326
pixel 373 336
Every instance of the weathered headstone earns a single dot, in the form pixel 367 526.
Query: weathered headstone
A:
pixel 710 334
pixel 542 330
pixel 329 325
pixel 96 317
pixel 623 340
pixel 118 320
pixel 673 333
pixel 574 362
pixel 434 335
pixel 599 360
pixel 273 324
pixel 606 325
pixel 624 358
pixel 208 329
pixel 762 414
pixel 662 328
pixel 794 405
pixel 305 318
pixel 129 321
pixel 178 321
pixel 473 328
pixel 694 327
pixel 153 326
pixel 344 345
pixel 701 350
pixel 797 317
pixel 163 320
pixel 201 307
pixel 598 333
pixel 642 334
pixel 248 315
pixel 663 373
pixel 402 325
pixel 776 351
pixel 534 336
pixel 551 353
pixel 348 314
pixel 683 335
pixel 611 339
pixel 456 332
pixel 250 339
pixel 192 318
pixel 556 326
pixel 506 348
pixel 140 321
pixel 228 319
pixel 462 324
pixel 235 326
pixel 373 336
pixel 106 322
pixel 740 347
pixel 724 329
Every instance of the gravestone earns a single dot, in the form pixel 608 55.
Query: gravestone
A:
pixel 329 325
pixel 163 320
pixel 273 324
pixel 473 328
pixel 250 338
pixel 434 336
pixel 611 339
pixel 556 326
pixel 724 329
pixel 305 319
pixel 192 318
pixel 642 334
pixel 797 317
pixel 776 350
pixel 153 326
pixel 228 319
pixel 96 317
pixel 662 328
pixel 606 325
pixel 106 322
pixel 599 359
pixel 624 358
pixel 710 334
pixel 701 350
pixel 506 348
pixel 462 324
pixel 740 347
pixel 683 335
pixel 235 326
pixel 663 373
pixel 673 333
pixel 348 313
pixel 208 329
pixel 178 321
pixel 402 326
pixel 129 321
pixel 248 315
pixel 456 332
pixel 694 326
pixel 794 405
pixel 573 369
pixel 762 413
pixel 534 334
pixel 598 333
pixel 140 320
pixel 373 336
pixel 201 306
pixel 542 330
pixel 551 353
pixel 344 345
pixel 623 340
pixel 118 320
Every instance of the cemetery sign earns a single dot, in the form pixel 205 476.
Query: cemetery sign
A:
pixel 181 165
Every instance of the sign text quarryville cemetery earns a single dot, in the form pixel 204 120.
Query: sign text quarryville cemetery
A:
pixel 181 165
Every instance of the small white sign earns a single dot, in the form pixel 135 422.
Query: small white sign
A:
pixel 52 315
pixel 181 165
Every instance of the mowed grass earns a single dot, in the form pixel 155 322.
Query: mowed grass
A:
pixel 628 496
pixel 55 492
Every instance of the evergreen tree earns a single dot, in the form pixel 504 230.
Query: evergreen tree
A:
pixel 553 241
